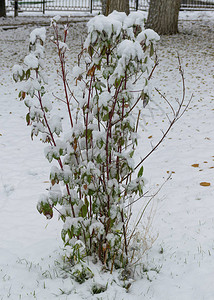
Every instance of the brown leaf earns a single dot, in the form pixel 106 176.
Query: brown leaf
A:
pixel 75 144
pixel 23 95
pixel 195 165
pixel 205 183
pixel 91 71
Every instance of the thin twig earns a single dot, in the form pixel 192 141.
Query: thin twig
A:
pixel 177 116
pixel 147 204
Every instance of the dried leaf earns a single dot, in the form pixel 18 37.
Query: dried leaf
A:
pixel 195 165
pixel 23 95
pixel 205 183
pixel 91 71
pixel 75 144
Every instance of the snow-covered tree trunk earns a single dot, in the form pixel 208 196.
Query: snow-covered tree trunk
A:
pixel 120 5
pixel 2 8
pixel 163 16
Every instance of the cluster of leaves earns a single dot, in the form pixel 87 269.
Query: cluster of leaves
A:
pixel 94 179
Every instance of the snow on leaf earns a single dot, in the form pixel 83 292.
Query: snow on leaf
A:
pixel 63 46
pixel 38 33
pixel 31 61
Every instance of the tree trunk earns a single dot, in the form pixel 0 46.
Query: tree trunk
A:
pixel 109 6
pixel 163 16
pixel 2 8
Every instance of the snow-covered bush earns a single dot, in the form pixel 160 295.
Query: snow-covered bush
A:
pixel 95 179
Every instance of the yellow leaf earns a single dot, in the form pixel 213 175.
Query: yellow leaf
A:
pixel 91 71
pixel 205 183
pixel 195 165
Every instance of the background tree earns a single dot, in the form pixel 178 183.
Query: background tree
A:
pixel 163 16
pixel 2 8
pixel 120 5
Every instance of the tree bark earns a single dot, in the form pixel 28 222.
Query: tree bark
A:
pixel 109 6
pixel 2 8
pixel 163 16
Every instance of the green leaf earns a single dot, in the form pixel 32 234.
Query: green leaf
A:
pixel 89 133
pixel 140 173
pixel 90 51
pixel 131 155
pixel 99 159
pixel 117 82
pixel 63 234
pixel 89 179
pixel 91 192
pixel 151 50
pixel 140 190
pixel 70 232
pixel 28 119
pixel 15 77
pixel 106 117
pixel 23 75
pixel 84 211
pixel 42 91
pixel 102 84
pixel 45 209
pixel 27 74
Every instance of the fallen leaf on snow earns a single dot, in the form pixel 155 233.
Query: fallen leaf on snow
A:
pixel 195 165
pixel 205 183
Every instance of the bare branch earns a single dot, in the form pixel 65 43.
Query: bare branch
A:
pixel 172 108
pixel 147 204
pixel 177 115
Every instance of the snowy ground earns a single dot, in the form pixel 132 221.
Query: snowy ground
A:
pixel 180 264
